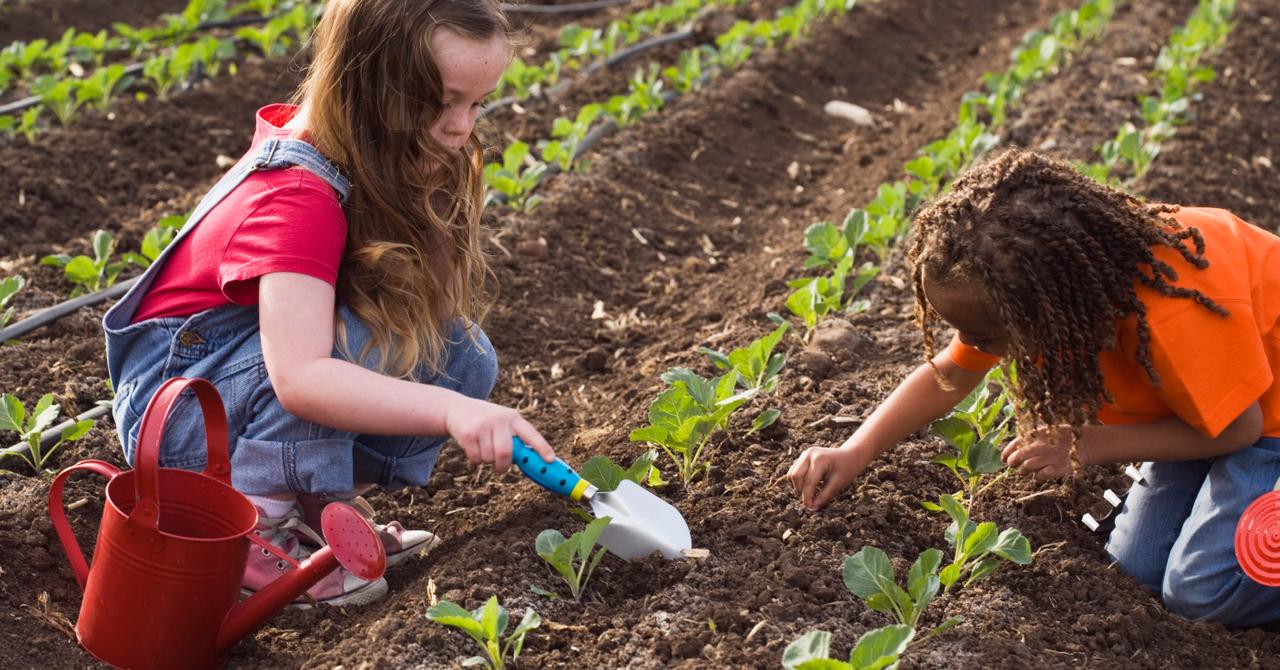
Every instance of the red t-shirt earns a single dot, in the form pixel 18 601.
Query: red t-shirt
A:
pixel 1211 368
pixel 286 220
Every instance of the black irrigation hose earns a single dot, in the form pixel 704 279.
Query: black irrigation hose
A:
pixel 633 50
pixel 589 141
pixel 48 437
pixel 47 316
pixel 571 8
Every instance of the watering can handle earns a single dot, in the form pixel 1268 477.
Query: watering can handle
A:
pixel 59 515
pixel 556 476
pixel 150 436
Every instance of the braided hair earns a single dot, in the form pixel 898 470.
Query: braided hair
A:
pixel 1056 255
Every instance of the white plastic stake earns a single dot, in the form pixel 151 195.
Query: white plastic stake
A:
pixel 1089 522
pixel 1111 497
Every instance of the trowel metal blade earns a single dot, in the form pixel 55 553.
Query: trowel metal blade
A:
pixel 642 523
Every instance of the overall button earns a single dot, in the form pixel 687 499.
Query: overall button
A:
pixel 189 338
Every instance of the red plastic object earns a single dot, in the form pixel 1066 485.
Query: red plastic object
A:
pixel 164 587
pixel 1258 540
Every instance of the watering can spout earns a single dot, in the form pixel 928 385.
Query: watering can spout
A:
pixel 352 544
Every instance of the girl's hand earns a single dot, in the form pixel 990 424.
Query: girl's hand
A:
pixel 1041 456
pixel 822 472
pixel 484 432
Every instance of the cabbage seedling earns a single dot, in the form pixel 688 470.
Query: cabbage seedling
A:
pixel 156 240
pixel 975 431
pixel 99 88
pixel 979 548
pixel 756 364
pixel 29 427
pixel 9 287
pixel 90 274
pixel 683 418
pixel 876 650
pixel 61 96
pixel 516 176
pixel 563 150
pixel 487 625
pixel 573 557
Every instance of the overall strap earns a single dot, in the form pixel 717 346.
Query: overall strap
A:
pixel 274 154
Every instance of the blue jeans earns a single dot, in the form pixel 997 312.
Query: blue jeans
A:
pixel 272 451
pixel 1176 534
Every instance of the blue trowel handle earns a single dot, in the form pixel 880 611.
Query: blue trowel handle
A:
pixel 556 476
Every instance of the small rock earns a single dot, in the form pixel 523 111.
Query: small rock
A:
pixel 849 111
pixel 836 337
pixel 814 363
pixel 536 249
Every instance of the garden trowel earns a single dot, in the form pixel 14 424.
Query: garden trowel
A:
pixel 642 523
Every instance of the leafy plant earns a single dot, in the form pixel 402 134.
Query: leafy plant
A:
pixel 30 427
pixel 980 548
pixel 90 274
pixel 869 575
pixel 271 39
pixel 156 240
pixel 60 96
pixel 875 650
pixel 516 176
pixel 683 418
pixel 9 287
pixel 975 431
pixel 563 150
pixel 1130 145
pixel 756 364
pixel 645 96
pixel 487 625
pixel 606 475
pixel 573 557
pixel 691 68
pixel 816 297
pixel 98 90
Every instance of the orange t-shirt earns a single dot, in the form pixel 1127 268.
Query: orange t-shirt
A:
pixel 1211 368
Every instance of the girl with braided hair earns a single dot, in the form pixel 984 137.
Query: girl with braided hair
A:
pixel 1139 332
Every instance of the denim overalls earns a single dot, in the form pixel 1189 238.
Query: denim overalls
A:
pixel 272 451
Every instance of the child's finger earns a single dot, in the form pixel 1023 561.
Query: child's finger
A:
pixel 797 472
pixel 1009 450
pixel 832 486
pixel 502 445
pixel 535 441
pixel 484 445
pixel 812 480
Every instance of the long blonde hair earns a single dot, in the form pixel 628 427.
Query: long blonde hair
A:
pixel 372 93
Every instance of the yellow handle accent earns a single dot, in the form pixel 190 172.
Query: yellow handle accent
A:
pixel 579 489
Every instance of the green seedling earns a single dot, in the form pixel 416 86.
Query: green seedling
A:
pixel 683 418
pixel 91 47
pixel 606 475
pixel 516 176
pixel 30 427
pixel 26 57
pixel 645 96
pixel 816 297
pixel 690 69
pixel 980 549
pixel 877 649
pixel 1131 146
pixel 60 96
pixel 135 40
pixel 576 557
pixel 99 89
pixel 156 240
pixel 487 625
pixel 271 39
pixel 24 125
pixel 975 431
pixel 90 274
pixel 756 364
pixel 9 287
pixel 563 150
pixel 869 575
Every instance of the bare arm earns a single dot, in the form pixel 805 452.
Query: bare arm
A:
pixel 296 315
pixel 1168 439
pixel 820 472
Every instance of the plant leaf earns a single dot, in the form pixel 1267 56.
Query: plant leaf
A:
pixel 764 420
pixel 603 473
pixel 810 646
pixel 77 430
pixel 869 572
pixel 881 648
pixel 1013 546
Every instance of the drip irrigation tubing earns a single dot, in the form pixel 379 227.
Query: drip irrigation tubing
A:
pixel 571 8
pixel 51 314
pixel 559 88
pixel 23 104
pixel 100 409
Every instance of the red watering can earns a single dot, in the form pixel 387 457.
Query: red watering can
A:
pixel 164 588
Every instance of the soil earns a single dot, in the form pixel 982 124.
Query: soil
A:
pixel 685 231
pixel 27 20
